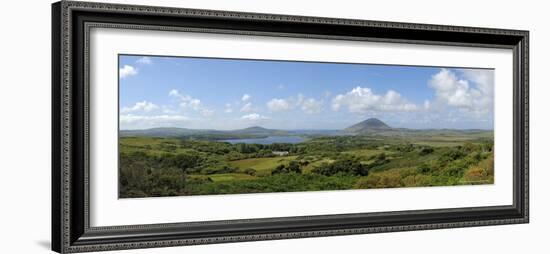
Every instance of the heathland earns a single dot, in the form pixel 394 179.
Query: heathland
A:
pixel 370 154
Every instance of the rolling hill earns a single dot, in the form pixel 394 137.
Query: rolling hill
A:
pixel 251 132
pixel 371 126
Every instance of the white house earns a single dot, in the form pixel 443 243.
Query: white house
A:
pixel 280 153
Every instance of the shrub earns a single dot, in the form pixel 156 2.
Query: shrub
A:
pixel 424 168
pixel 138 178
pixel 416 180
pixel 250 171
pixel 280 169
pixel 342 166
pixel 294 166
pixel 426 150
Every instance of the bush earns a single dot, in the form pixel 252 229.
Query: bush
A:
pixel 424 168
pixel 280 169
pixel 453 171
pixel 141 175
pixel 342 166
pixel 483 172
pixel 288 182
pixel 218 169
pixel 416 180
pixel 250 171
pixel 451 155
pixel 385 180
pixel 426 150
pixel 295 167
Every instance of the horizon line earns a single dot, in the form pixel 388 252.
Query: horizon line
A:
pixel 299 128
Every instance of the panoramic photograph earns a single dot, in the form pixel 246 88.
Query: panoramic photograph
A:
pixel 207 126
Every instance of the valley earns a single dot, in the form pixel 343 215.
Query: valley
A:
pixel 369 154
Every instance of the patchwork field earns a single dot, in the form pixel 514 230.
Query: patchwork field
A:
pixel 263 166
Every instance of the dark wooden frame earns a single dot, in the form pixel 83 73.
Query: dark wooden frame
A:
pixel 71 22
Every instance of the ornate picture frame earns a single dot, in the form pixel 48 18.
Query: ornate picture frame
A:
pixel 71 24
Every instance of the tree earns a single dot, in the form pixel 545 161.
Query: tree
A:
pixel 426 150
pixel 293 166
pixel 342 166
pixel 280 169
pixel 250 171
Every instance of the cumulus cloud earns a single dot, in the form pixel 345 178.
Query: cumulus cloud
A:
pixel 473 93
pixel 186 101
pixel 277 105
pixel 308 105
pixel 246 97
pixel 144 60
pixel 247 107
pixel 127 71
pixel 140 106
pixel 485 79
pixel 254 117
pixel 311 106
pixel 363 99
pixel 140 121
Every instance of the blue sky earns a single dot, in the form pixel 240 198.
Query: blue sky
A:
pixel 210 93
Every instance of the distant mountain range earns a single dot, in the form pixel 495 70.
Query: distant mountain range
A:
pixel 371 126
pixel 257 130
pixel 250 132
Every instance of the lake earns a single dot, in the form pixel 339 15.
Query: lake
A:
pixel 267 140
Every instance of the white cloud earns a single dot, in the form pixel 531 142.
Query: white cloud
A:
pixel 174 93
pixel 144 60
pixel 195 104
pixel 484 79
pixel 277 105
pixel 363 99
pixel 311 106
pixel 127 71
pixel 308 105
pixel 254 117
pixel 280 87
pixel 247 107
pixel 187 101
pixel 472 94
pixel 130 121
pixel 246 97
pixel 140 106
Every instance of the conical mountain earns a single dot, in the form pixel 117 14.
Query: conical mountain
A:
pixel 369 125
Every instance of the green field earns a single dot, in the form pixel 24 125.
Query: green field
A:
pixel 171 166
pixel 230 177
pixel 263 166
